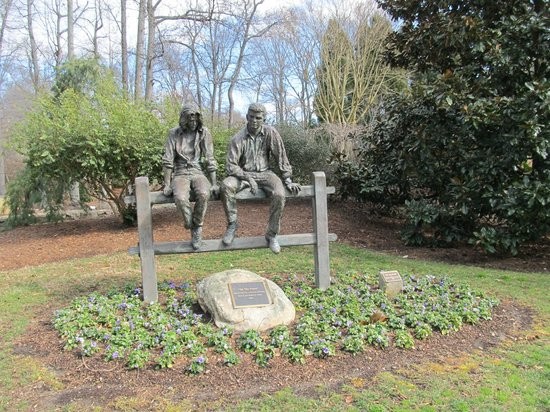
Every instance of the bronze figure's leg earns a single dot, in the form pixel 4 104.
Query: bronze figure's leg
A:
pixel 229 188
pixel 181 186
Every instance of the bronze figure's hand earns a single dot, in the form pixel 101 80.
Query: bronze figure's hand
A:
pixel 292 187
pixel 215 191
pixel 253 185
pixel 167 191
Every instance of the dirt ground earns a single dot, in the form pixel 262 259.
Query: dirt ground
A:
pixel 352 223
pixel 91 382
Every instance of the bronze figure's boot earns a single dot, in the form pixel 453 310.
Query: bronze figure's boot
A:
pixel 229 233
pixel 273 244
pixel 196 237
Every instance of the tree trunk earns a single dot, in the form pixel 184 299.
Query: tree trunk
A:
pixel 2 173
pixel 249 18
pixel 98 25
pixel 70 30
pixel 34 67
pixel 150 50
pixel 124 46
pixel 58 33
pixel 139 49
pixel 3 23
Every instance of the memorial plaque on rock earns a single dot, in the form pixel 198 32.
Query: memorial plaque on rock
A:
pixel 249 294
pixel 390 281
pixel 243 300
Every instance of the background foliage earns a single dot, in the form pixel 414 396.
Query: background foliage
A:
pixel 467 152
pixel 88 130
pixel 100 139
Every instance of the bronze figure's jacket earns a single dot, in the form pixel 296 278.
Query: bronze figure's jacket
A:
pixel 181 155
pixel 248 155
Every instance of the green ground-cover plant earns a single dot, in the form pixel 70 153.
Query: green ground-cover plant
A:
pixel 119 326
pixel 511 376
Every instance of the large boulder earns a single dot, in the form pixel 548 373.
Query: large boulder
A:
pixel 268 308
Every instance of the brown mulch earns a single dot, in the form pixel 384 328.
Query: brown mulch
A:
pixel 92 382
pixel 353 223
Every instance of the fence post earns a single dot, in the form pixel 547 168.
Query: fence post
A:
pixel 146 251
pixel 320 228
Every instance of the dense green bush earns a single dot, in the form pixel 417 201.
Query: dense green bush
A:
pixel 467 152
pixel 307 150
pixel 102 140
pixel 221 136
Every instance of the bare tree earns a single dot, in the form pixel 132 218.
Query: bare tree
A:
pixel 53 18
pixel 209 43
pixel 151 54
pixel 270 71
pixel 70 30
pixel 176 74
pixel 303 40
pixel 4 13
pixel 59 20
pixel 284 61
pixel 34 68
pixel 352 73
pixel 5 10
pixel 96 24
pixel 140 41
pixel 182 62
pixel 151 28
pixel 124 45
pixel 214 56
pixel 247 32
pixel 121 22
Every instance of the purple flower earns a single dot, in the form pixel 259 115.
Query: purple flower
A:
pixel 115 355
pixel 200 360
pixel 172 285
pixel 326 351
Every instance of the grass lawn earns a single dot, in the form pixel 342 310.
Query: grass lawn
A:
pixel 514 376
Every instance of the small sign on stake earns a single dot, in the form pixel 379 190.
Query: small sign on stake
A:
pixel 390 281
